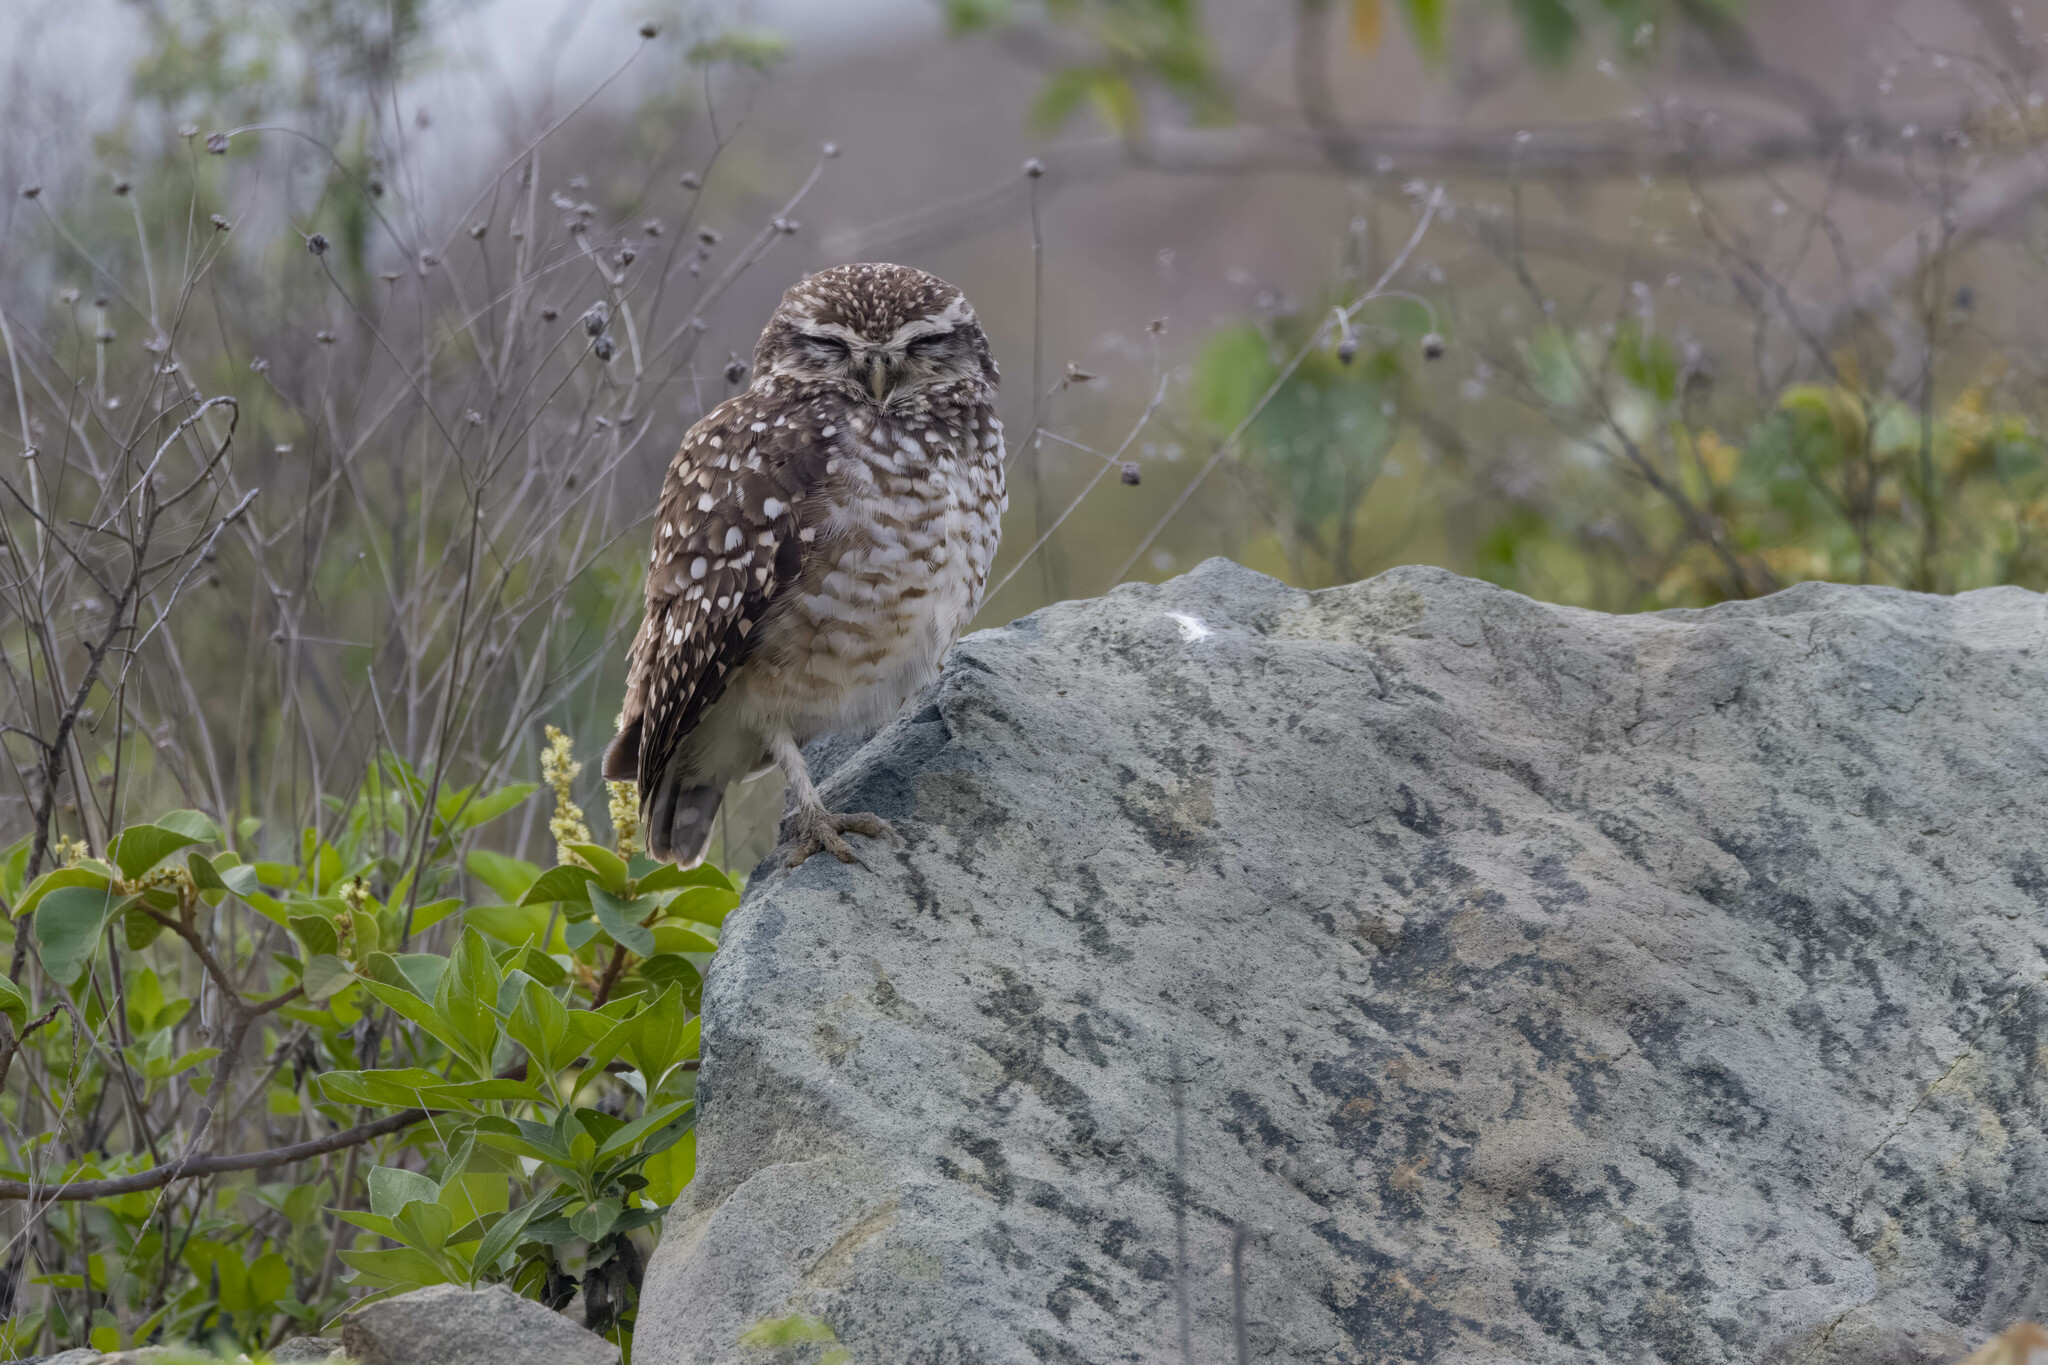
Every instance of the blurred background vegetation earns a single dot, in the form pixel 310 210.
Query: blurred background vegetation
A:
pixel 345 341
pixel 1724 300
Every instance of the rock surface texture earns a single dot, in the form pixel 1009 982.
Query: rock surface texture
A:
pixel 450 1325
pixel 1540 986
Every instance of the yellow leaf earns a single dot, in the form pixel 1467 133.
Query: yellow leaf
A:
pixel 1368 26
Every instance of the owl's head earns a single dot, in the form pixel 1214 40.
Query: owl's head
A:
pixel 882 334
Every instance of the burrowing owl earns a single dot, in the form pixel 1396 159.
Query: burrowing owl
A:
pixel 822 540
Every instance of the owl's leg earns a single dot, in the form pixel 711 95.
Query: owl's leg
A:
pixel 813 829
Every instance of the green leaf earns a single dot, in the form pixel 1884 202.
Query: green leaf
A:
pixel 421 1013
pixel 609 866
pixel 68 925
pixel 542 968
pixel 568 884
pixel 675 938
pixel 425 917
pixel 474 1197
pixel 14 1005
pixel 670 1169
pixel 621 919
pixel 393 1187
pixel 665 968
pixel 593 1221
pixel 657 1117
pixel 541 1026
pixel 139 928
pixel 138 848
pixel 522 1138
pixel 663 1034
pixel 400 1267
pixel 316 932
pixel 667 876
pixel 53 881
pixel 487 808
pixel 509 878
pixel 504 1233
pixel 704 904
pixel 270 1279
pixel 425 1225
pixel 194 825
pixel 491 1089
pixel 514 924
pixel 204 875
pixel 396 1088
pixel 419 973
pixel 467 997
pixel 325 974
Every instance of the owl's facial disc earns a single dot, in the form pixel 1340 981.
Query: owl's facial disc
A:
pixel 920 353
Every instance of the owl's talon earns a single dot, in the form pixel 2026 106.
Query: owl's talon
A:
pixel 818 832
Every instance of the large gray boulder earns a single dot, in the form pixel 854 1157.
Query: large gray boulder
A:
pixel 1539 986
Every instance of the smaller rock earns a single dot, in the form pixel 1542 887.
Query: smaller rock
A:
pixel 447 1324
pixel 305 1348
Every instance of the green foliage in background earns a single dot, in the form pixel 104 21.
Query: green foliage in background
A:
pixel 544 1021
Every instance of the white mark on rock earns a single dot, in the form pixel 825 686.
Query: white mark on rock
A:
pixel 1191 628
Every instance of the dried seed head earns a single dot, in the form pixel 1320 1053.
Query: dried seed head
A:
pixel 596 318
pixel 477 231
pixel 829 150
pixel 317 244
pixel 1347 347
pixel 652 227
pixel 1130 472
pixel 735 368
pixel 1034 168
pixel 221 224
pixel 550 314
pixel 188 130
pixel 121 187
pixel 31 191
pixel 649 31
pixel 324 337
pixel 604 349
pixel 104 335
pixel 692 181
pixel 68 295
pixel 217 143
pixel 259 365
pixel 1433 347
pixel 786 226
pixel 376 187
pixel 473 417
pixel 388 276
pixel 627 255
pixel 428 260
pixel 1157 327
pixel 709 235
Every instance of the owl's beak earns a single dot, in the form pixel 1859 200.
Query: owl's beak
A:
pixel 878 376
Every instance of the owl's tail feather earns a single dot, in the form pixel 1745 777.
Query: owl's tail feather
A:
pixel 679 821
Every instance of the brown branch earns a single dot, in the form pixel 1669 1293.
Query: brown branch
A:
pixel 252 1161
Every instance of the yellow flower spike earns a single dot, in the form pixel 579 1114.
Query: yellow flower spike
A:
pixel 625 812
pixel 559 770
